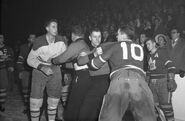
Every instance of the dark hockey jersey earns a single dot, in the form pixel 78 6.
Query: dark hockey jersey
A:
pixel 127 55
pixel 6 57
pixel 160 63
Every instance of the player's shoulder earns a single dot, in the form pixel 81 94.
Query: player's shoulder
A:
pixel 39 42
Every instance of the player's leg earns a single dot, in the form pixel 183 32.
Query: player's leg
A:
pixel 165 102
pixel 53 88
pixel 36 97
pixel 25 87
pixel 3 88
pixel 142 98
pixel 116 100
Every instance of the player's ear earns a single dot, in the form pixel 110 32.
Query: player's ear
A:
pixel 47 28
pixel 89 37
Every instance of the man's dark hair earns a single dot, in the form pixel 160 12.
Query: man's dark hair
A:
pixel 94 29
pixel 129 31
pixel 78 30
pixel 48 22
pixel 176 28
pixel 150 39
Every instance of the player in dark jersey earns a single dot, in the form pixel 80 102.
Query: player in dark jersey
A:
pixel 82 81
pixel 6 66
pixel 25 71
pixel 161 78
pixel 128 85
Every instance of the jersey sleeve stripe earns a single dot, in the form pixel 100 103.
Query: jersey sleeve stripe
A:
pixel 20 57
pixel 168 61
pixel 172 68
pixel 101 59
pixel 93 65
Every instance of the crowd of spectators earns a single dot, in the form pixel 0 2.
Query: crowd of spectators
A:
pixel 145 16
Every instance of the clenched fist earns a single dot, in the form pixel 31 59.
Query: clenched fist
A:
pixel 172 85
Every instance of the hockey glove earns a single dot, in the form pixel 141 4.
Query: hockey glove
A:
pixel 172 85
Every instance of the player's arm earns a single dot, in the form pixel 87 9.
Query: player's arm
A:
pixel 171 72
pixel 168 63
pixel 86 56
pixel 97 62
pixel 33 60
pixel 72 51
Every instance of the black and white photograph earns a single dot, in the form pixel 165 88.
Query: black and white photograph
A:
pixel 92 60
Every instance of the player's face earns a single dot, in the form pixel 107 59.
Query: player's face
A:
pixel 95 38
pixel 150 45
pixel 52 28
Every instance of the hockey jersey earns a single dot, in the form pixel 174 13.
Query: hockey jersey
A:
pixel 160 63
pixel 6 57
pixel 42 50
pixel 126 55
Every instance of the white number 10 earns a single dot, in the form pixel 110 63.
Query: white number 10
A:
pixel 133 51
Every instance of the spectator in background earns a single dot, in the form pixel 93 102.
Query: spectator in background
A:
pixel 6 65
pixel 169 23
pixel 158 26
pixel 180 18
pixel 148 28
pixel 24 71
pixel 142 38
pixel 106 37
pixel 176 49
pixel 177 54
pixel 161 40
pixel 45 75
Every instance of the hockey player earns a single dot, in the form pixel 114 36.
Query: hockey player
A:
pixel 127 86
pixel 81 83
pixel 43 74
pixel 6 64
pixel 161 78
pixel 24 70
